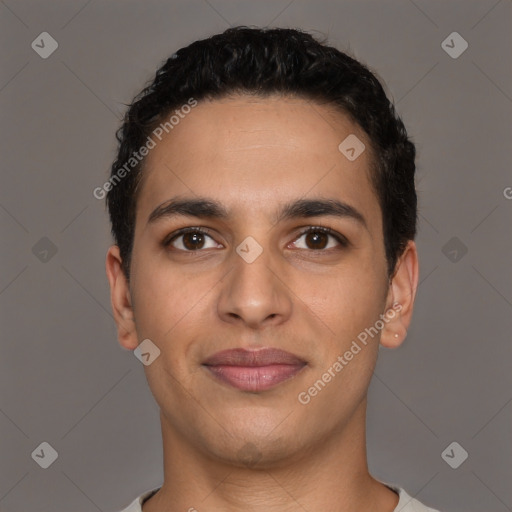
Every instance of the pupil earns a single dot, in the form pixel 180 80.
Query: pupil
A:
pixel 315 237
pixel 197 240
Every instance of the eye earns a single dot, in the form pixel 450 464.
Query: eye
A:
pixel 317 238
pixel 191 239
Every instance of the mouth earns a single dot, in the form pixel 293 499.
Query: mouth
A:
pixel 254 370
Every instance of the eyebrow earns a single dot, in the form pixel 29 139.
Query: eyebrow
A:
pixel 205 208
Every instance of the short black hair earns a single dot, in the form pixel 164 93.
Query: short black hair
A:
pixel 262 62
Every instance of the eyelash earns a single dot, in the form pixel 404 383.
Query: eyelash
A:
pixel 205 231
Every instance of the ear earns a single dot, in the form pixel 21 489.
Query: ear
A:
pixel 400 299
pixel 120 300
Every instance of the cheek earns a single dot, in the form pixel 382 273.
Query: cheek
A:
pixel 159 296
pixel 348 300
pixel 161 304
pixel 169 304
pixel 349 304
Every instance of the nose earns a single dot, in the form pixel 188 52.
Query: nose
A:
pixel 255 294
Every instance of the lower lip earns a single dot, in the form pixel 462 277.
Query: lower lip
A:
pixel 255 378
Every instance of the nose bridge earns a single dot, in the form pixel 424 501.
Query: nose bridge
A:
pixel 253 292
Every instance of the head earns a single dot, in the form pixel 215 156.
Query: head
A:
pixel 243 134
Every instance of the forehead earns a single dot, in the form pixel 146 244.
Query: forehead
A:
pixel 254 154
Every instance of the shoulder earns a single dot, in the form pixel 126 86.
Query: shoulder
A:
pixel 408 504
pixel 136 504
pixel 405 504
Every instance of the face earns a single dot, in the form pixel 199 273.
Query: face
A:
pixel 255 270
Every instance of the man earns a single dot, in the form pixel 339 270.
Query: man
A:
pixel 264 213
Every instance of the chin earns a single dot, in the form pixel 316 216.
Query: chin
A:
pixel 256 445
pixel 253 454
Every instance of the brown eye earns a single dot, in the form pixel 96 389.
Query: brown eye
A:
pixel 316 240
pixel 320 238
pixel 191 239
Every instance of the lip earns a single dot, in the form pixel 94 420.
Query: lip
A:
pixel 254 370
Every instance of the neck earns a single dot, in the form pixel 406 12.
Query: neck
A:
pixel 332 476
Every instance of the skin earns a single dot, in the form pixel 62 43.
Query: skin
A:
pixel 225 449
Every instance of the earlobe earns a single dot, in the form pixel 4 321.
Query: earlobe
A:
pixel 120 300
pixel 401 295
pixel 393 339
pixel 394 332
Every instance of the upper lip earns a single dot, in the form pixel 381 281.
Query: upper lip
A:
pixel 258 357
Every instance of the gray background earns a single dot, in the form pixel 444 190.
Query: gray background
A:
pixel 63 377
